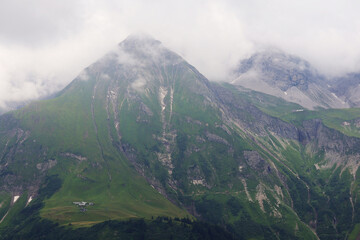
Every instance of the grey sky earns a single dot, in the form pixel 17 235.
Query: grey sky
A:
pixel 44 44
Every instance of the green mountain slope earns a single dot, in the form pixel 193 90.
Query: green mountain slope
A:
pixel 69 136
pixel 323 155
pixel 141 133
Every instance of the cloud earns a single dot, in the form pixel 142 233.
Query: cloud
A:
pixel 38 22
pixel 124 57
pixel 44 44
pixel 323 32
pixel 84 76
pixel 139 84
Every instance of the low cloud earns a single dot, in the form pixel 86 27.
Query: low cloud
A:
pixel 46 43
pixel 124 58
pixel 84 76
pixel 139 84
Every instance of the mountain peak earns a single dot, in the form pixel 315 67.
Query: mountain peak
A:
pixel 287 76
pixel 143 48
pixel 139 40
pixel 280 69
pixel 275 60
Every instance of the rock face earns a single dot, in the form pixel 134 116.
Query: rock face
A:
pixel 255 161
pixel 286 76
pixel 327 138
pixel 348 88
pixel 281 70
pixel 252 118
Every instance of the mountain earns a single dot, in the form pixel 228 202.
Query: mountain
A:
pixel 141 134
pixel 289 77
pixel 75 137
pixel 348 88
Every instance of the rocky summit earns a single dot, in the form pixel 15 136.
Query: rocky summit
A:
pixel 142 135
pixel 289 77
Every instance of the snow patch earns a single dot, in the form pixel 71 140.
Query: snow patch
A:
pixel 16 198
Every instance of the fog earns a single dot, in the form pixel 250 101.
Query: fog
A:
pixel 44 44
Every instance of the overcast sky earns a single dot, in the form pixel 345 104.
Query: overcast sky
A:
pixel 44 44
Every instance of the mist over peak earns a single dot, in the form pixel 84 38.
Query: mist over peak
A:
pixel 53 41
pixel 137 40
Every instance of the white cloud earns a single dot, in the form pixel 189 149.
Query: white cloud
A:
pixel 139 84
pixel 84 76
pixel 44 44
pixel 125 58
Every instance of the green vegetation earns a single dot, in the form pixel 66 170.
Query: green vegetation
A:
pixel 65 125
pixel 5 200
pixel 27 224
pixel 149 157
pixel 338 119
pixel 138 229
pixel 355 232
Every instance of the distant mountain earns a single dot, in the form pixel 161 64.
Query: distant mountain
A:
pixel 348 88
pixel 141 134
pixel 289 77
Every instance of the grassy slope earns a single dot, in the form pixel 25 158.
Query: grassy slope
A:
pixel 64 124
pixel 332 118
pixel 5 200
pixel 27 224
